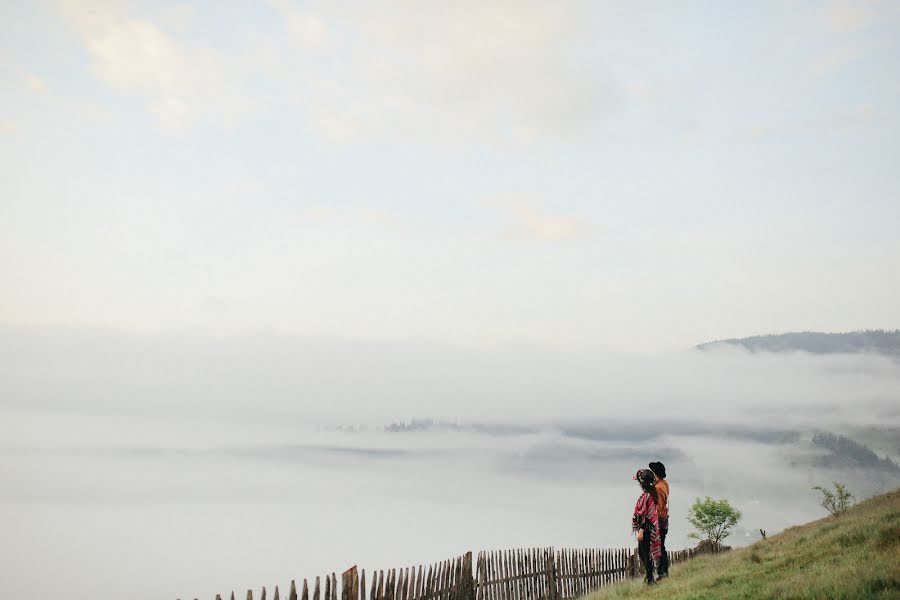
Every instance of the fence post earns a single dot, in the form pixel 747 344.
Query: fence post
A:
pixel 467 579
pixel 632 564
pixel 550 571
pixel 350 584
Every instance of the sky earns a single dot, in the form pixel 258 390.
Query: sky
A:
pixel 557 174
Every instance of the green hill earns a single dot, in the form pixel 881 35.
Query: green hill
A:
pixel 853 556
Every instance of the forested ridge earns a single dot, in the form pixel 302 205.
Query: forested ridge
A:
pixel 881 341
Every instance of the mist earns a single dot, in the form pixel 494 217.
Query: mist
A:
pixel 186 465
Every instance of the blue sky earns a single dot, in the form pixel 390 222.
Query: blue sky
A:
pixel 567 174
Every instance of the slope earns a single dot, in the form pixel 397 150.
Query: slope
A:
pixel 856 555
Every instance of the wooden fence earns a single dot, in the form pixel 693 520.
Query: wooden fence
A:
pixel 523 574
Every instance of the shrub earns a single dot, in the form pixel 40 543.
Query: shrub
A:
pixel 836 502
pixel 713 519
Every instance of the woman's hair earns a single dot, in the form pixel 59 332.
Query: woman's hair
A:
pixel 647 481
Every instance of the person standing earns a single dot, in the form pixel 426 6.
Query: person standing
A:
pixel 646 522
pixel 662 512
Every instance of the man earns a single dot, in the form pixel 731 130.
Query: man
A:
pixel 662 511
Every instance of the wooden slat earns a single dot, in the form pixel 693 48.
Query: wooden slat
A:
pixel 580 586
pixel 590 573
pixel 523 570
pixel 579 570
pixel 516 570
pixel 526 568
pixel 495 570
pixel 445 580
pixel 524 575
pixel 504 575
pixel 420 583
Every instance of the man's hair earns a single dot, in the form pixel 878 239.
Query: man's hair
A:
pixel 658 469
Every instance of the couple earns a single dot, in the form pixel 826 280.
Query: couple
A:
pixel 651 519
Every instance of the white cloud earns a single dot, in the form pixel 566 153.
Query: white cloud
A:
pixel 36 84
pixel 447 71
pixel 836 60
pixel 308 29
pixel 182 83
pixel 848 16
pixel 530 223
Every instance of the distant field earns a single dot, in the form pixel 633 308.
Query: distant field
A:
pixel 855 556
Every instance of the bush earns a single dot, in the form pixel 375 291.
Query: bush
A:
pixel 713 519
pixel 836 502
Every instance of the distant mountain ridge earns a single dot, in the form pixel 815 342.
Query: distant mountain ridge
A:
pixel 878 341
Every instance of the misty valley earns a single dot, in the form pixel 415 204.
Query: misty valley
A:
pixel 193 464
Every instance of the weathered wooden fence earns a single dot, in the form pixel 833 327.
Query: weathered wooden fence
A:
pixel 523 574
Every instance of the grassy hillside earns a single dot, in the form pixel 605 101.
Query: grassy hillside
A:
pixel 854 556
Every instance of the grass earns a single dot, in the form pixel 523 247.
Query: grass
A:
pixel 854 556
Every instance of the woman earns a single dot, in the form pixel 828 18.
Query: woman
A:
pixel 646 522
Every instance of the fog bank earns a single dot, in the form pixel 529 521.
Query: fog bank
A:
pixel 183 466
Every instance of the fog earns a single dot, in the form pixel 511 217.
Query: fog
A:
pixel 163 466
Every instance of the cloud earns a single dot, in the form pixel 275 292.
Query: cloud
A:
pixel 836 60
pixel 274 374
pixel 182 83
pixel 848 16
pixel 309 30
pixel 529 223
pixel 864 113
pixel 152 442
pixel 7 126
pixel 35 83
pixel 449 72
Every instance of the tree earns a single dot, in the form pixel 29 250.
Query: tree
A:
pixel 836 502
pixel 713 519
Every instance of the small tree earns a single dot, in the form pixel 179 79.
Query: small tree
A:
pixel 836 502
pixel 713 519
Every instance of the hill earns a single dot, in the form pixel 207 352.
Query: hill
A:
pixel 875 340
pixel 852 556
